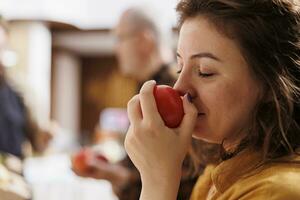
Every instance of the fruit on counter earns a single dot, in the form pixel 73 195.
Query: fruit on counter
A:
pixel 169 105
pixel 82 159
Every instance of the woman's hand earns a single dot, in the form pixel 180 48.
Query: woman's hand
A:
pixel 156 150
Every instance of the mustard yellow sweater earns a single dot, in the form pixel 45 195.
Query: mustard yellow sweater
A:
pixel 240 178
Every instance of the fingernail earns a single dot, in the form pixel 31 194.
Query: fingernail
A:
pixel 189 97
pixel 153 81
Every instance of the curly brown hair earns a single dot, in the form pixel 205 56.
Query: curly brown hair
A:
pixel 267 33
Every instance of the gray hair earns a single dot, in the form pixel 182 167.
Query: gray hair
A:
pixel 149 18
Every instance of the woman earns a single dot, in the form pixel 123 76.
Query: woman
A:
pixel 239 66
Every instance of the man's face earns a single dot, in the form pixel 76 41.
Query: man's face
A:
pixel 128 49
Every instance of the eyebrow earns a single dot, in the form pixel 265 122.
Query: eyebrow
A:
pixel 202 55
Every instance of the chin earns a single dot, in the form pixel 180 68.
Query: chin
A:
pixel 200 135
pixel 206 137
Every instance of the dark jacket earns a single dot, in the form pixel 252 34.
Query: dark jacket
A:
pixel 12 121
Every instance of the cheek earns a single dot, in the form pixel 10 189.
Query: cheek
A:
pixel 220 97
pixel 229 107
pixel 121 51
pixel 126 54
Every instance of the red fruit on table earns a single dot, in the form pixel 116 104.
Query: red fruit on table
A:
pixel 169 105
pixel 80 160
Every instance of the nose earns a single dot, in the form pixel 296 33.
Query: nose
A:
pixel 184 84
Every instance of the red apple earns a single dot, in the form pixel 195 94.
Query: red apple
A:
pixel 169 105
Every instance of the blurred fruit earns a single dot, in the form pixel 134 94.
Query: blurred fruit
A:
pixel 80 160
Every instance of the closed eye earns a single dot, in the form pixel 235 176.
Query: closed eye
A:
pixel 205 74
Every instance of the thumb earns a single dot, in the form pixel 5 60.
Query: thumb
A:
pixel 189 118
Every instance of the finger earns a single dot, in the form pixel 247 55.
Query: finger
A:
pixel 134 109
pixel 189 118
pixel 147 100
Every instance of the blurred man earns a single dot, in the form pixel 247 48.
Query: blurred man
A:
pixel 143 47
pixel 144 53
pixel 16 125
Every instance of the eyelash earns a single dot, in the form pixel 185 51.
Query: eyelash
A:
pixel 199 74
pixel 204 75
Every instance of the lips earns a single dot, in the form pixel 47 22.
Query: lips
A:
pixel 201 114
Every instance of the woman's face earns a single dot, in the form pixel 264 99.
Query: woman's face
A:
pixel 223 88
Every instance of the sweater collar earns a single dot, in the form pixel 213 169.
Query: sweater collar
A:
pixel 229 171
